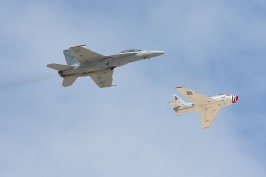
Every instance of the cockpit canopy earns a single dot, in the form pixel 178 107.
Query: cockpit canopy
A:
pixel 130 50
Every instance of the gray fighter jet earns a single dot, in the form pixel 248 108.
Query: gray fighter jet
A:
pixel 84 62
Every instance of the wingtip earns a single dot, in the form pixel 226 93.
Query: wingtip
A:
pixel 82 45
pixel 179 87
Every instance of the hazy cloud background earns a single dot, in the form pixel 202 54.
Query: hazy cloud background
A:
pixel 129 130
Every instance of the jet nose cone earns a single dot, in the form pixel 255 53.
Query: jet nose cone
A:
pixel 156 53
pixel 235 98
pixel 151 53
pixel 160 53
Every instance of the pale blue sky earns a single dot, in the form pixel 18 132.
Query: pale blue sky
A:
pixel 211 46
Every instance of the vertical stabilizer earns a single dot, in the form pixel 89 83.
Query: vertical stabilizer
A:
pixel 70 59
pixel 178 101
pixel 68 81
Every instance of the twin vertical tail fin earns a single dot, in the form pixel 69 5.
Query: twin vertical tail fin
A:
pixel 70 59
pixel 71 62
pixel 68 81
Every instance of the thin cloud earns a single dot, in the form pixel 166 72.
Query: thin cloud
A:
pixel 128 130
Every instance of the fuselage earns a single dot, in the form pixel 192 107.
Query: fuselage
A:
pixel 222 99
pixel 109 62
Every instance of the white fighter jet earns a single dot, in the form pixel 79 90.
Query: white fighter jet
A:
pixel 208 106
pixel 84 62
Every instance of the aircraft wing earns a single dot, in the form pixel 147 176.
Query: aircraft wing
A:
pixel 103 79
pixel 84 55
pixel 195 97
pixel 208 115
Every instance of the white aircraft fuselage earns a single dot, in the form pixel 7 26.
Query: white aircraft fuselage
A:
pixel 223 99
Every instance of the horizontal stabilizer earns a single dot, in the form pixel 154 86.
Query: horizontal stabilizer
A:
pixel 173 104
pixel 59 67
pixel 68 81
